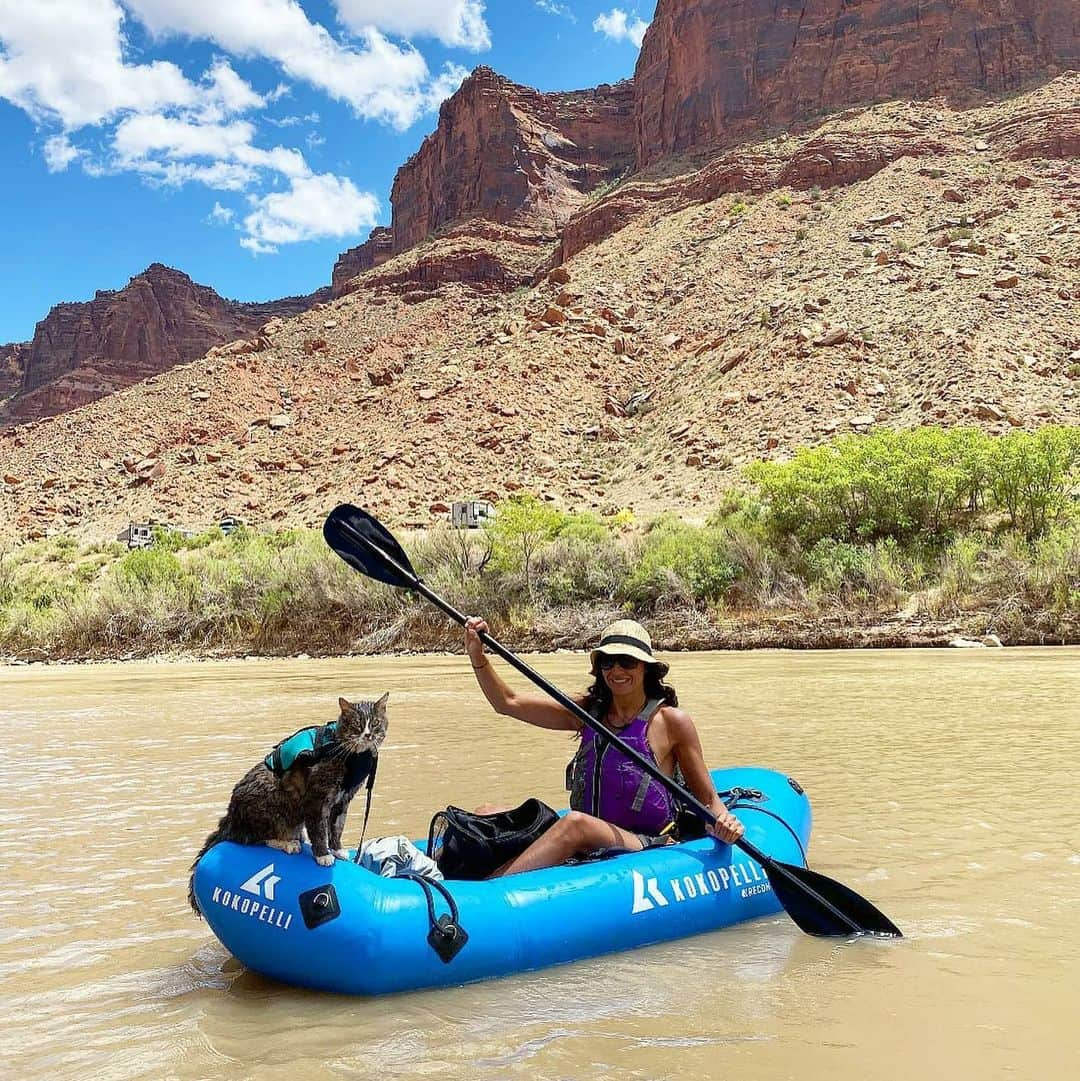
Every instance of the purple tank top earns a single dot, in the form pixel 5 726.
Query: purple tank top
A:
pixel 603 782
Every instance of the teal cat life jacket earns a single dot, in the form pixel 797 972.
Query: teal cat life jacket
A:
pixel 305 748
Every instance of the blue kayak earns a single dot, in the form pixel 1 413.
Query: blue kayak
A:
pixel 345 929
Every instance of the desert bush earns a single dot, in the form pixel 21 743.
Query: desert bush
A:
pixel 924 484
pixel 840 573
pixel 1021 582
pixel 689 562
pixel 1032 474
pixel 523 525
pixel 581 566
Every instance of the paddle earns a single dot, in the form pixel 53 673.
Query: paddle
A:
pixel 819 905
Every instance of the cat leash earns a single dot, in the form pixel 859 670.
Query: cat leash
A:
pixel 446 935
pixel 367 805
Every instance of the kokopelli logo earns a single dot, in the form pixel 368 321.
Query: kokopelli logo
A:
pixel 262 883
pixel 647 894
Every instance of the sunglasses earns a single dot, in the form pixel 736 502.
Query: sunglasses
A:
pixel 607 662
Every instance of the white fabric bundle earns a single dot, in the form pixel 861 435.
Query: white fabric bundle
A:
pixel 387 856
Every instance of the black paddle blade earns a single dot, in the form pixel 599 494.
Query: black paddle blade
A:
pixel 823 906
pixel 367 546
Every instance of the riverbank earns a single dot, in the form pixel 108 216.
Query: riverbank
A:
pixel 286 595
pixel 783 633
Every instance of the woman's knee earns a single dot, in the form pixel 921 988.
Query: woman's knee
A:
pixel 583 829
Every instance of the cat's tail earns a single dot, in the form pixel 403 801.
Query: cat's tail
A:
pixel 217 835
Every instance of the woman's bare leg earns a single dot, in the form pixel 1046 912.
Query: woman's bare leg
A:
pixel 573 835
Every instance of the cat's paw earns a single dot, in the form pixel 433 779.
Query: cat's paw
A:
pixel 325 861
pixel 290 848
pixel 339 853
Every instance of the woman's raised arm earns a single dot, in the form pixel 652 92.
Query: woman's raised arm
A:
pixel 536 709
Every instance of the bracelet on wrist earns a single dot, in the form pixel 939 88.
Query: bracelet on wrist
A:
pixel 478 667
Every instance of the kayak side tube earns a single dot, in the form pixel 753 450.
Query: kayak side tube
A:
pixel 345 929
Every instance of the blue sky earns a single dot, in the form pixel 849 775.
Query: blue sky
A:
pixel 245 142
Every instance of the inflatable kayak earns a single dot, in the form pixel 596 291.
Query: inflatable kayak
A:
pixel 346 929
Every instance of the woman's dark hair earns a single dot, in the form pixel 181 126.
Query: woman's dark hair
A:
pixel 598 696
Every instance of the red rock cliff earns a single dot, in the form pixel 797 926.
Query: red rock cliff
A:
pixel 713 68
pixel 81 351
pixel 508 153
pixel 378 247
pixel 12 363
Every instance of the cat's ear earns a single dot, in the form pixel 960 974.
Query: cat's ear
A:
pixel 380 706
pixel 345 705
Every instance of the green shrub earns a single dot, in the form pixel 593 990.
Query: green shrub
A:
pixel 577 569
pixel 923 483
pixel 523 525
pixel 587 528
pixel 145 568
pixel 737 510
pixel 1031 476
pixel 688 562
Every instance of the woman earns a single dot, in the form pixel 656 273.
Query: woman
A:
pixel 614 803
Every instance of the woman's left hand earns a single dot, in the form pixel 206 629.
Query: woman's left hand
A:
pixel 727 827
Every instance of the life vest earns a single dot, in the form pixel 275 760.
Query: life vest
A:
pixel 306 747
pixel 604 782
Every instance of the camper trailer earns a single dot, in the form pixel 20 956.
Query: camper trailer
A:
pixel 471 514
pixel 141 534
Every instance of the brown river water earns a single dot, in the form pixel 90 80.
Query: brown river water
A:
pixel 944 785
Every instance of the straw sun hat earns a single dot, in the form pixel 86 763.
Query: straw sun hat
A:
pixel 624 637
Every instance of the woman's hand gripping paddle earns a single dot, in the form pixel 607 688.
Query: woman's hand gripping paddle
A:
pixel 819 905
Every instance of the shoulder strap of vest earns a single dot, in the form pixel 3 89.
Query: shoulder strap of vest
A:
pixel 650 708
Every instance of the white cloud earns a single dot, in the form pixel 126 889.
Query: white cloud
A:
pixel 379 80
pixel 59 153
pixel 145 137
pixel 220 215
pixel 62 61
pixel 227 93
pixel 314 207
pixel 453 22
pixel 619 26
pixel 71 65
pixel 553 7
pixel 218 175
pixel 292 120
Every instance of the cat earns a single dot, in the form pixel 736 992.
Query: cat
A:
pixel 313 793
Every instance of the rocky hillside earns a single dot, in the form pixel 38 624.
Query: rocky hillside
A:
pixel 905 264
pixel 372 253
pixel 713 69
pixel 83 351
pixel 536 320
pixel 509 154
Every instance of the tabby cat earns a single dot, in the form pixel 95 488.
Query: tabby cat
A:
pixel 314 794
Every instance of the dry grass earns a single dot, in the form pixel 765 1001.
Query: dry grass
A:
pixel 724 584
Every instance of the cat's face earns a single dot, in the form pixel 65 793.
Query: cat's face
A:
pixel 362 725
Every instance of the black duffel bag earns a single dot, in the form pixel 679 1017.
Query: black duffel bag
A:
pixel 471 846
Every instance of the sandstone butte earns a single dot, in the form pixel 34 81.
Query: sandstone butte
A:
pixel 796 221
pixel 82 351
